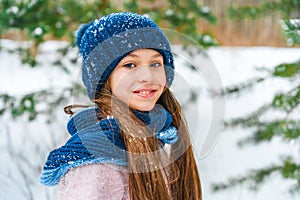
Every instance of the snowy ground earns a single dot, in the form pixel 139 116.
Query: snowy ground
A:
pixel 31 141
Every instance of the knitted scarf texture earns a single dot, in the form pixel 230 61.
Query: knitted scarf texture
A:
pixel 92 141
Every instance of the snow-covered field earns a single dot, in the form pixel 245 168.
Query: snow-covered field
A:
pixel 24 144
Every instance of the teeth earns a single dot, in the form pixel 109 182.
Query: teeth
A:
pixel 145 92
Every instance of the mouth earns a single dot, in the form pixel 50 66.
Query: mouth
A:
pixel 145 93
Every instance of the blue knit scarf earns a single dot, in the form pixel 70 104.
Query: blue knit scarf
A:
pixel 93 141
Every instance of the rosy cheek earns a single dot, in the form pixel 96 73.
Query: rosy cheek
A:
pixel 116 80
pixel 163 80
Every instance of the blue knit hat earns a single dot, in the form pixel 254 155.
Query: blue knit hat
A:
pixel 104 42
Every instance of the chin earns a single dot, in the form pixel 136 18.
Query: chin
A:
pixel 144 107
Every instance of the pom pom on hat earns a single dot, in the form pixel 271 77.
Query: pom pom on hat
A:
pixel 104 42
pixel 80 33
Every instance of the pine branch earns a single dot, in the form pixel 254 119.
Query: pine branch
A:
pixel 250 120
pixel 285 7
pixel 43 102
pixel 286 129
pixel 265 131
pixel 239 88
pixel 288 101
pixel 291 30
pixel 287 70
pixel 285 102
pixel 253 179
pixel 288 169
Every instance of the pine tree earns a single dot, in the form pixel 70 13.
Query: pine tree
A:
pixel 287 103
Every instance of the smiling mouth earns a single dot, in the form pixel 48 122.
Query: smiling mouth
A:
pixel 145 93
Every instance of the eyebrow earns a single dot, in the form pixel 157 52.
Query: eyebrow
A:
pixel 154 56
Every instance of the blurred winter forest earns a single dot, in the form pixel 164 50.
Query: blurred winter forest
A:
pixel 40 75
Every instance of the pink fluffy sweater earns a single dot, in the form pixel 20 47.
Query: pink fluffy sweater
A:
pixel 94 182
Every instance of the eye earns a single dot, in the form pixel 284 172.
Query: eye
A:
pixel 129 65
pixel 155 64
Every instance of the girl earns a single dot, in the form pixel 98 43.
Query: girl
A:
pixel 134 143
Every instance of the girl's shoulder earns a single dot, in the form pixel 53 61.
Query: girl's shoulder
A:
pixel 95 181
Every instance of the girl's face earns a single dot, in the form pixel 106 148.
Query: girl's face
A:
pixel 139 79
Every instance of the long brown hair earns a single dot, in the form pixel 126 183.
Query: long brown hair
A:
pixel 154 174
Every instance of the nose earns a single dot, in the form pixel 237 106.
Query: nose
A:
pixel 144 73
